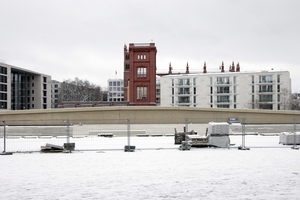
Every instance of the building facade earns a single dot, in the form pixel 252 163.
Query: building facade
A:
pixel 232 89
pixel 55 89
pixel 115 90
pixel 140 74
pixel 22 89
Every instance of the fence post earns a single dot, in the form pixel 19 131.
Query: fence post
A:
pixel 186 129
pixel 242 147
pixel 128 135
pixel 295 143
pixel 4 140
pixel 68 132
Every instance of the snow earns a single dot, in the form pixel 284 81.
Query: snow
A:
pixel 268 170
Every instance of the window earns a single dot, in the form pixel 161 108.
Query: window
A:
pixel 195 90
pixel 278 78
pixel 234 98
pixel 210 80
pixel 234 89
pixel 266 88
pixel 183 90
pixel 265 98
pixel 183 81
pixel 278 88
pixel 221 90
pixel 265 79
pixel 141 92
pixel 3 87
pixel 183 99
pixel 141 72
pixel 194 100
pixel 222 80
pixel 3 70
pixel 252 88
pixel 234 80
pixel 3 96
pixel 221 99
pixel 3 79
pixel 126 67
pixel 278 98
pixel 223 106
pixel 211 90
pixel 266 106
pixel 194 81
pixel 252 79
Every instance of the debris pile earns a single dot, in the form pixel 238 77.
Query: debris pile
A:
pixel 52 148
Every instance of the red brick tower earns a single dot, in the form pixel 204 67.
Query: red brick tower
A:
pixel 140 89
pixel 126 73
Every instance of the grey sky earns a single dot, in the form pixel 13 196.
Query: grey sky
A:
pixel 85 39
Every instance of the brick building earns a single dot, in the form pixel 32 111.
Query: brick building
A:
pixel 140 74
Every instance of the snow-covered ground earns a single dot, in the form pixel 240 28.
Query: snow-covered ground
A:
pixel 271 172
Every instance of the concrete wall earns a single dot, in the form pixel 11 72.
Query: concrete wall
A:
pixel 144 115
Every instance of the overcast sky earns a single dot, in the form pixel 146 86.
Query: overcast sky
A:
pixel 85 38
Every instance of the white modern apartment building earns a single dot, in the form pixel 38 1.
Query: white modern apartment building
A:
pixel 22 89
pixel 252 90
pixel 115 90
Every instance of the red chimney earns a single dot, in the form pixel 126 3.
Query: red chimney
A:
pixel 232 67
pixel 187 68
pixel 204 68
pixel 170 69
pixel 222 67
pixel 238 67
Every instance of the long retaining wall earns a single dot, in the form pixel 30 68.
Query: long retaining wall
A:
pixel 144 115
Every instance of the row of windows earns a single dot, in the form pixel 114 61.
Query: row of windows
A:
pixel 141 57
pixel 116 99
pixel 115 83
pixel 115 89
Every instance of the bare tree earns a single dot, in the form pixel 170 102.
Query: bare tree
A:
pixel 295 102
pixel 79 90
pixel 285 99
